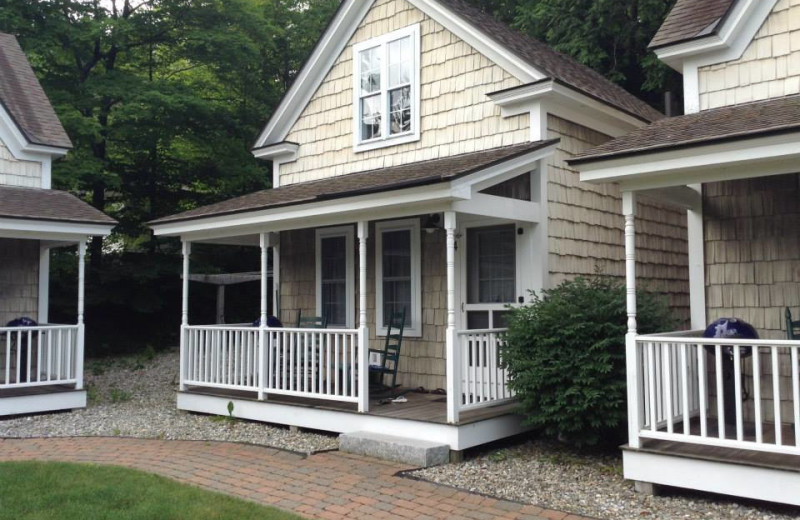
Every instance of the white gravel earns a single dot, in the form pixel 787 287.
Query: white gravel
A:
pixel 550 476
pixel 135 397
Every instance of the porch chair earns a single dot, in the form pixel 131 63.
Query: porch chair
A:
pixel 390 355
pixel 311 322
pixel 792 327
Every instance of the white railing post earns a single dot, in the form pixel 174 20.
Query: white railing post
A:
pixel 186 251
pixel 453 346
pixel 363 330
pixel 262 325
pixel 631 350
pixel 81 303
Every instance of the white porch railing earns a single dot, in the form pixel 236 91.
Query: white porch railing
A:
pixel 41 356
pixel 313 363
pixel 484 381
pixel 681 394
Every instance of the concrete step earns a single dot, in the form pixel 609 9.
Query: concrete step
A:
pixel 398 449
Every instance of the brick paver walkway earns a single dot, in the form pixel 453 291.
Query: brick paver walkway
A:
pixel 329 485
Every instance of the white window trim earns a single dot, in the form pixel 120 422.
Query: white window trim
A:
pixel 415 329
pixel 386 139
pixel 347 232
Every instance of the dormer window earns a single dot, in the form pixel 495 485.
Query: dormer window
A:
pixel 386 90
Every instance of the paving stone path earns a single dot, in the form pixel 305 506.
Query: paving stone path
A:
pixel 330 485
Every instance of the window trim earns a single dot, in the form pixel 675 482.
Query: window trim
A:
pixel 333 232
pixel 386 139
pixel 412 225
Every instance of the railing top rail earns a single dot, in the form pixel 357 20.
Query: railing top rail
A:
pixel 276 329
pixel 678 334
pixel 37 327
pixel 718 341
pixel 321 331
pixel 480 331
pixel 222 327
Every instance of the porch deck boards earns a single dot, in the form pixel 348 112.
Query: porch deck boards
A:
pixel 430 408
pixel 35 390
pixel 725 455
pixel 748 431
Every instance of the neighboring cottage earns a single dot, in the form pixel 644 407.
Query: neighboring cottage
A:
pixel 419 167
pixel 703 414
pixel 41 366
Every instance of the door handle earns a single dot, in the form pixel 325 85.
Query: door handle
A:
pixel 462 306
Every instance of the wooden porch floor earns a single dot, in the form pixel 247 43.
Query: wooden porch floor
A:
pixel 431 408
pixel 725 455
pixel 35 390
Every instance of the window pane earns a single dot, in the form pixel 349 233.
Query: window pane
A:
pixel 400 110
pixel 400 62
pixel 370 70
pixel 333 282
pixel 478 319
pixel 370 117
pixel 491 264
pixel 396 264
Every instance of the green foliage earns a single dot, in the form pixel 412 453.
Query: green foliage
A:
pixel 50 490
pixel 565 353
pixel 119 396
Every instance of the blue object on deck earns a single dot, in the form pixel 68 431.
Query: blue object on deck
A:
pixel 733 328
pixel 22 322
pixel 272 322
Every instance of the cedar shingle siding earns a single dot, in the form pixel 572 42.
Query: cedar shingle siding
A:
pixel 19 279
pixel 14 172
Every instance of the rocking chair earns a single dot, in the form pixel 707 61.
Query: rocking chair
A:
pixel 390 355
pixel 792 327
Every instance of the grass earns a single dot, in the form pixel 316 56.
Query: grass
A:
pixel 48 490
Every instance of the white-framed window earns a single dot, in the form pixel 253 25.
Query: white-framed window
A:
pixel 398 274
pixel 335 276
pixel 386 90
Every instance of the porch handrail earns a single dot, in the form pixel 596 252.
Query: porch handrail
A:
pixel 484 380
pixel 41 355
pixel 683 394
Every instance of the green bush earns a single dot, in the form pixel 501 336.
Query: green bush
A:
pixel 565 353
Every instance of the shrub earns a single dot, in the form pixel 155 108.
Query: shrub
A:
pixel 565 353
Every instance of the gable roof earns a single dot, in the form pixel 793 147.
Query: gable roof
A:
pixel 386 179
pixel 758 119
pixel 690 19
pixel 555 65
pixel 48 205
pixel 24 99
pixel 546 62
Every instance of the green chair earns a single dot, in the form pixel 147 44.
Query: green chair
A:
pixel 311 322
pixel 390 355
pixel 792 327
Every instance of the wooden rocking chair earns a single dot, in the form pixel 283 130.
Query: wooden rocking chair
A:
pixel 390 355
pixel 792 327
pixel 311 322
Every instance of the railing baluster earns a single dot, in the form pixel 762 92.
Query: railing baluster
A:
pixel 757 394
pixel 737 379
pixel 685 388
pixel 666 355
pixel 720 392
pixel 39 356
pixel 796 396
pixel 702 389
pixel 776 396
pixel 651 376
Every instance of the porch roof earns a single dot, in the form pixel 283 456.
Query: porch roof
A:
pixel 740 122
pixel 48 205
pixel 375 181
pixel 690 19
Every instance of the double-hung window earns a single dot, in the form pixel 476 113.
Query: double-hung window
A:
pixel 397 273
pixel 335 278
pixel 386 90
pixel 491 275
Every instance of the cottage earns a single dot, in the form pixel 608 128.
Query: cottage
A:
pixel 720 415
pixel 41 364
pixel 419 168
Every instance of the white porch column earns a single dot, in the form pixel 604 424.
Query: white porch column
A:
pixel 697 274
pixel 187 251
pixel 363 330
pixel 453 348
pixel 276 276
pixel 79 348
pixel 631 354
pixel 43 314
pixel 262 329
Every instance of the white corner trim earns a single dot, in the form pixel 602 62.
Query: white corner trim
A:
pixel 16 142
pixel 697 276
pixel 412 225
pixel 348 233
pixel 44 284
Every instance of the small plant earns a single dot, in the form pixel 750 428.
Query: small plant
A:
pixel 116 432
pixel 92 395
pixel 230 410
pixel 119 396
pixel 149 353
pixel 97 368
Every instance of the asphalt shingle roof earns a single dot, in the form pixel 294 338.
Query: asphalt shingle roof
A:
pixel 24 99
pixel 690 19
pixel 722 124
pixel 374 181
pixel 49 205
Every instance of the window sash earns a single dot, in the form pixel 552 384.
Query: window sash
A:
pixel 397 274
pixel 335 276
pixel 491 264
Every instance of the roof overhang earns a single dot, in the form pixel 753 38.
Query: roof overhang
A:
pixel 12 137
pixel 754 156
pixel 569 103
pixel 35 229
pixel 727 42
pixel 285 151
pixel 372 205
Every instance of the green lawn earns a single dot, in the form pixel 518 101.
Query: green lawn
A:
pixel 44 491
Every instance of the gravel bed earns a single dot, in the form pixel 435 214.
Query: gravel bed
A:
pixel 135 397
pixel 550 476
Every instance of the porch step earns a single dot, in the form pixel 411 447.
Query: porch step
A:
pixel 398 449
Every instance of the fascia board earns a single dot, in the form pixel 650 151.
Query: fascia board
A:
pixel 19 146
pixel 284 150
pixel 50 230
pixel 771 155
pixel 330 46
pixel 516 165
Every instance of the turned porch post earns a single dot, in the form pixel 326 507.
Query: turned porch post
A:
pixel 631 353
pixel 453 348
pixel 187 251
pixel 264 242
pixel 363 330
pixel 81 303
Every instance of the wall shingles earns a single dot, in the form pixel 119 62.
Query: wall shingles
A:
pixel 19 279
pixel 14 172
